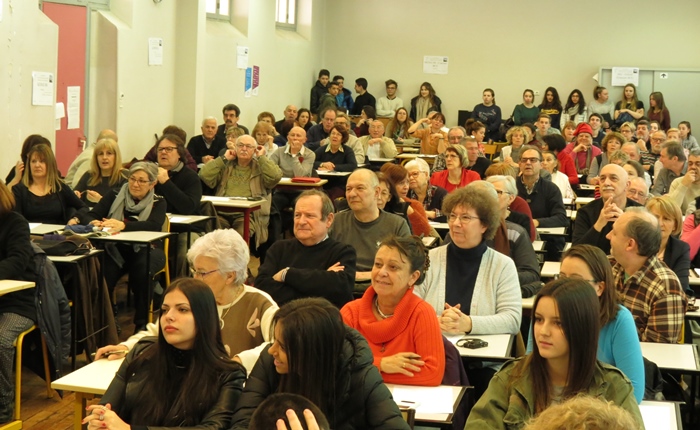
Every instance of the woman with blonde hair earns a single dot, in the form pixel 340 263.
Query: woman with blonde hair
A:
pixel 629 108
pixel 41 195
pixel 516 137
pixel 673 251
pixel 105 174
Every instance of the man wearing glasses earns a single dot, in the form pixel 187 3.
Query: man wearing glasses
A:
pixel 244 171
pixel 595 220
pixel 544 198
pixel 685 189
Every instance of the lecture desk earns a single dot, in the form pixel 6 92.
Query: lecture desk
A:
pixel 8 286
pixel 433 405
pixel 236 204
pixel 661 415
pixel 552 231
pixel 500 346
pixel 86 382
pixel 42 229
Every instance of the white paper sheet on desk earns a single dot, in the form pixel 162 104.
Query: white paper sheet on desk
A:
pixel 178 219
pixel 218 199
pixel 430 400
pixel 33 225
pixel 655 416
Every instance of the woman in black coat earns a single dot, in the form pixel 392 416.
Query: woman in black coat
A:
pixel 673 251
pixel 17 310
pixel 315 355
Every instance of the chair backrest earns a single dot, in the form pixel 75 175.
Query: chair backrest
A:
pixel 409 415
pixel 455 374
pixel 490 150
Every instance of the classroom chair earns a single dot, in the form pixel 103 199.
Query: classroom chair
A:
pixel 18 369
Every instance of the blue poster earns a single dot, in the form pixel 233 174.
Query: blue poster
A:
pixel 248 81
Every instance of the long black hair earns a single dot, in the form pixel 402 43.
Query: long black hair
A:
pixel 169 400
pixel 313 334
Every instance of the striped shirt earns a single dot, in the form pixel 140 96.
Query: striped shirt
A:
pixel 655 298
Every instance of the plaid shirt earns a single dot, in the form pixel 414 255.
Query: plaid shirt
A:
pixel 655 298
pixel 427 203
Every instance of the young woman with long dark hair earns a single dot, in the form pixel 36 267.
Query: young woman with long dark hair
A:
pixel 551 105
pixel 562 363
pixel 184 378
pixel 575 109
pixel 317 356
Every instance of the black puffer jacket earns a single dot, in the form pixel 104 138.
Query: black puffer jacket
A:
pixel 363 401
pixel 125 392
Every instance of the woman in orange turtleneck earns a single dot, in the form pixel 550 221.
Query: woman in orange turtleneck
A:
pixel 401 328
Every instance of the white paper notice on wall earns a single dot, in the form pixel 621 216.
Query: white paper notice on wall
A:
pixel 42 88
pixel 622 76
pixel 155 51
pixel 60 113
pixel 242 57
pixel 73 108
pixel 435 64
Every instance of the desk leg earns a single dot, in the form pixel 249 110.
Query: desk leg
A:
pixel 246 225
pixel 79 410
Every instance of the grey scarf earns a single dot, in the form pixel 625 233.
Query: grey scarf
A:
pixel 124 202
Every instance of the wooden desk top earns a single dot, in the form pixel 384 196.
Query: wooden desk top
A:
pixel 9 286
pixel 93 378
pixel 232 202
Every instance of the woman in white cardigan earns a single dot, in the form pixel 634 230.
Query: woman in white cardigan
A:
pixel 473 288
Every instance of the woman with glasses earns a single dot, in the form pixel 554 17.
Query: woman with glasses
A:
pixel 220 259
pixel 135 207
pixel 618 343
pixel 455 175
pixel 42 196
pixel 245 171
pixel 421 190
pixel 473 288
pixel 105 174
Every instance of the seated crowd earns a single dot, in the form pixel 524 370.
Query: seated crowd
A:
pixel 347 296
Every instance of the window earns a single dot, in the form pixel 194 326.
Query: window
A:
pixel 219 9
pixel 286 14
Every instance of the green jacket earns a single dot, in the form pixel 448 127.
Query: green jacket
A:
pixel 264 176
pixel 504 407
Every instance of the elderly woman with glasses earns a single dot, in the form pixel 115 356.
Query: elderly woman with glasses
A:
pixel 220 259
pixel 473 288
pixel 135 207
pixel 245 171
pixel 421 190
pixel 456 175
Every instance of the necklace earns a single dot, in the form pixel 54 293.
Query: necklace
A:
pixel 376 306
pixel 230 305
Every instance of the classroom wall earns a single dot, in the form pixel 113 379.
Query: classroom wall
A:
pixel 507 45
pixel 22 26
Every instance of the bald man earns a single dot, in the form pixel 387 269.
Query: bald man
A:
pixel 290 114
pixel 595 220
pixel 81 164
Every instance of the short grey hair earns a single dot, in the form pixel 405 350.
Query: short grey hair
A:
pixel 151 169
pixel 644 228
pixel 209 118
pixel 419 164
pixel 508 181
pixel 229 250
pixel 327 207
pixel 695 152
pixel 460 128
pixel 631 145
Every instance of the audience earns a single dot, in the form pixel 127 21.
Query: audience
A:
pixel 363 99
pixel 387 106
pixel 16 173
pixel 376 145
pixel 81 164
pixel 456 175
pixel 105 173
pixel 183 378
pixel 552 107
pixel 611 142
pixel 206 146
pixel 516 137
pixel 650 290
pixel 603 106
pixel 673 252
pixel 424 102
pixel 290 114
pixel 397 129
pixel 433 139
pixel 561 365
pixel 638 189
pixel 400 328
pixel 312 264
pixel 526 111
pixel 429 195
pixel 344 98
pixel 316 356
pixel 489 114
pixel 673 160
pixel 319 89
pixel 584 412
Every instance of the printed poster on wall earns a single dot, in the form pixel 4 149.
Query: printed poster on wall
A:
pixel 155 51
pixel 248 81
pixel 42 88
pixel 256 79
pixel 622 76
pixel 73 107
pixel 242 57
pixel 435 64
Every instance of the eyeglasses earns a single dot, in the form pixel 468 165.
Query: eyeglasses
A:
pixel 414 174
pixel 500 193
pixel 247 147
pixel 565 276
pixel 167 149
pixel 532 160
pixel 463 219
pixel 140 182
pixel 633 193
pixel 201 275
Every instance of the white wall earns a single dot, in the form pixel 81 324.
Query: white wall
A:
pixel 29 43
pixel 199 74
pixel 507 45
